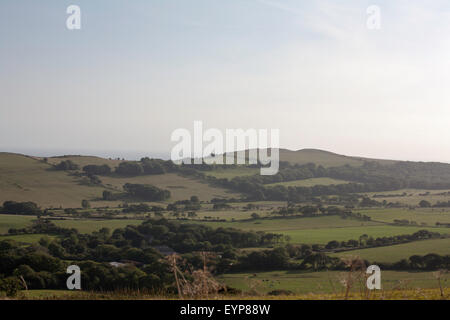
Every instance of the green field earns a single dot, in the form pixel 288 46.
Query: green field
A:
pixel 309 182
pixel 26 238
pixel 324 235
pixel 230 173
pixel 428 216
pixel 8 221
pixel 321 282
pixel 401 251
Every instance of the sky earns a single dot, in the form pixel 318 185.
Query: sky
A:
pixel 138 70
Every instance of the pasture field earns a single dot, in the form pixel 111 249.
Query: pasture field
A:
pixel 301 282
pixel 181 188
pixel 429 216
pixel 232 172
pixel 413 196
pixel 309 182
pixel 400 251
pixel 24 178
pixel 27 238
pixel 292 224
pixel 8 221
pixel 325 235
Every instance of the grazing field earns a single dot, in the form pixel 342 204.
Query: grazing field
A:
pixel 428 216
pixel 8 221
pixel 309 182
pixel 325 235
pixel 26 238
pixel 321 282
pixel 401 251
pixel 292 224
pixel 230 173
pixel 412 196
pixel 24 178
pixel 90 225
pixel 181 188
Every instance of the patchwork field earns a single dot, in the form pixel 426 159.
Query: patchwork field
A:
pixel 321 282
pixel 401 251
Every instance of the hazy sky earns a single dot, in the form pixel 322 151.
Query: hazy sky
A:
pixel 137 70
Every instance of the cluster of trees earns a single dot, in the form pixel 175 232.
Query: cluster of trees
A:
pixel 192 204
pixel 319 210
pixel 43 265
pixel 26 208
pixel 66 165
pixel 40 269
pixel 145 166
pixel 93 169
pixel 146 192
pixel 366 241
pixel 428 262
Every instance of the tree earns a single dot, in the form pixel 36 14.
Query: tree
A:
pixel 85 204
pixel 424 204
pixel 107 195
pixel 67 165
pixel 255 215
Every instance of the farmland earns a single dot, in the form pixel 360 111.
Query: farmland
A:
pixel 401 251
pixel 324 235
pixel 320 282
pixel 309 182
pixel 422 216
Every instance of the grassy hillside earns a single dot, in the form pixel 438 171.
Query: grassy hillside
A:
pixel 181 188
pixel 324 158
pixel 25 178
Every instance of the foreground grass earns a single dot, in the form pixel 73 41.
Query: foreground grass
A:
pixel 327 282
pixel 398 294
